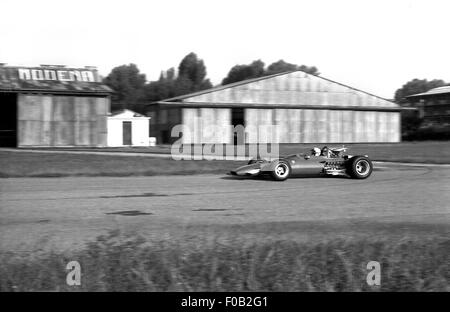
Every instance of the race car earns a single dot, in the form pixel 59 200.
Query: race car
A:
pixel 325 162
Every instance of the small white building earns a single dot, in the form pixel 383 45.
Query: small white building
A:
pixel 128 128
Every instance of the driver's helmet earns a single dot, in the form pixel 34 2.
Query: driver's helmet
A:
pixel 325 150
pixel 315 151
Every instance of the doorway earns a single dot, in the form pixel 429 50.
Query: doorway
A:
pixel 237 118
pixel 8 120
pixel 126 132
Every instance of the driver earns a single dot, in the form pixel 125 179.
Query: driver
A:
pixel 315 151
pixel 325 151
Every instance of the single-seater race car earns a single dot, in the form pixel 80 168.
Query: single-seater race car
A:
pixel 325 161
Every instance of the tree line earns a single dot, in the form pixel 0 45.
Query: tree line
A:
pixel 132 90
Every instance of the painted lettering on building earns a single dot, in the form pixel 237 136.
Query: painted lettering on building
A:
pixel 56 75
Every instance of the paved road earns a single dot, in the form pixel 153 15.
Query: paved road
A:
pixel 65 212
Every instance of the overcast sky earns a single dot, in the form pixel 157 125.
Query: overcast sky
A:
pixel 376 46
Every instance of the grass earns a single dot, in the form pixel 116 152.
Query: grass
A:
pixel 25 164
pixel 437 152
pixel 232 262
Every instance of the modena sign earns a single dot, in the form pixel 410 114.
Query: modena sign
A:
pixel 56 74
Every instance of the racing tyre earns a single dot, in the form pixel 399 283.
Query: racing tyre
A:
pixel 359 167
pixel 281 171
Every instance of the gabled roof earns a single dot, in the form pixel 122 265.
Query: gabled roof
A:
pixel 126 113
pixel 249 81
pixel 52 79
pixel 439 90
pixel 221 87
pixel 288 89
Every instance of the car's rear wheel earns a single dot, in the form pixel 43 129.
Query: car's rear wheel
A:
pixel 281 171
pixel 359 167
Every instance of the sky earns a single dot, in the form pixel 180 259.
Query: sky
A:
pixel 376 46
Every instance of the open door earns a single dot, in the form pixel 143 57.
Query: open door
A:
pixel 8 120
pixel 237 118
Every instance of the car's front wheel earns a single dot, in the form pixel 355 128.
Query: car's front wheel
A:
pixel 359 167
pixel 281 171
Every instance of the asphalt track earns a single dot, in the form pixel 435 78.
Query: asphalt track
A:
pixel 38 213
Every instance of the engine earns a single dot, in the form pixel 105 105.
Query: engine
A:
pixel 335 167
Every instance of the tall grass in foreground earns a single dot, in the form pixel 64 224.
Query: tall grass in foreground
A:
pixel 112 263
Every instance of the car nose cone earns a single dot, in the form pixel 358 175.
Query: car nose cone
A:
pixel 252 169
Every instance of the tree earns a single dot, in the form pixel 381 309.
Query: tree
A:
pixel 191 75
pixel 242 72
pixel 128 84
pixel 279 67
pixel 162 88
pixel 282 66
pixel 313 70
pixel 256 69
pixel 416 86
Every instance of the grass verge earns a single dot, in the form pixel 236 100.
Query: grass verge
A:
pixel 437 152
pixel 28 164
pixel 23 164
pixel 231 263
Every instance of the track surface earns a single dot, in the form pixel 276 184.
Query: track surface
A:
pixel 66 212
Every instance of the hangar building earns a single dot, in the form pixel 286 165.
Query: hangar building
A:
pixel 434 108
pixel 52 105
pixel 307 109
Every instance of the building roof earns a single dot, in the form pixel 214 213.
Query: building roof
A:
pixel 126 113
pixel 439 90
pixel 222 87
pixel 287 89
pixel 52 79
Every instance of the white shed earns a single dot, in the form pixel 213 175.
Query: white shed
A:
pixel 128 128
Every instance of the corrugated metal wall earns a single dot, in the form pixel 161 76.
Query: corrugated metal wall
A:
pixel 323 126
pixel 200 122
pixel 293 125
pixel 62 120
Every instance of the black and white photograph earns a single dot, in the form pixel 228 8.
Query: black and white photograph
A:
pixel 211 147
